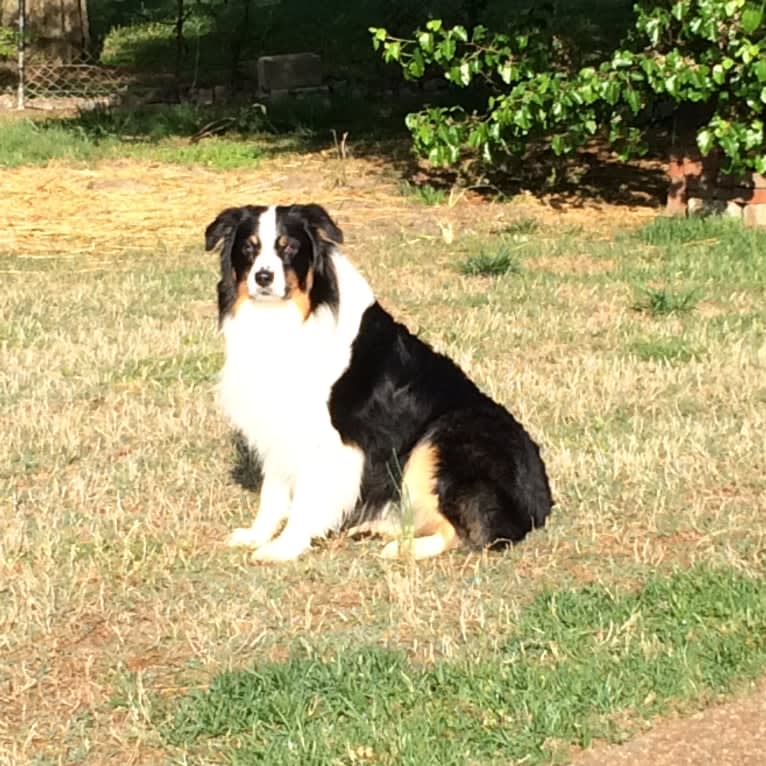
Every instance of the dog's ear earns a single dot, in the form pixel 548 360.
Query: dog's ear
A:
pixel 226 222
pixel 319 222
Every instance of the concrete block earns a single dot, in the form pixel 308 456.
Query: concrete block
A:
pixel 289 72
pixel 733 210
pixel 754 215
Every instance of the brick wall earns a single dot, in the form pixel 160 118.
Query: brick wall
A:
pixel 697 187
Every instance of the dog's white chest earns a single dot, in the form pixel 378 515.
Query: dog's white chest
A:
pixel 277 379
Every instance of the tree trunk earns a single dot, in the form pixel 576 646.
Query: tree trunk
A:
pixel 56 28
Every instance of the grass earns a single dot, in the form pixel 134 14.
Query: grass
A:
pixel 576 664
pixel 216 137
pixel 426 194
pixel 662 302
pixel 487 261
pixel 124 621
pixel 28 142
pixel 673 349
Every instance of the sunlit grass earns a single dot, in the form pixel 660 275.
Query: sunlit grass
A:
pixel 119 480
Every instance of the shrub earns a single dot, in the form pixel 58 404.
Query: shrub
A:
pixel 708 51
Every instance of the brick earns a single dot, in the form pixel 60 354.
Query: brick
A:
pixel 676 169
pixel 754 215
pixel 289 72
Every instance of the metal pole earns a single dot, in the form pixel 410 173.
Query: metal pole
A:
pixel 22 23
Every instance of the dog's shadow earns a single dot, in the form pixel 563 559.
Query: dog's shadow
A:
pixel 247 470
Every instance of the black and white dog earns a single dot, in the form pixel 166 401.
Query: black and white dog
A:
pixel 358 424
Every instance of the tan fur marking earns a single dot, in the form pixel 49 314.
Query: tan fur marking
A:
pixel 419 499
pixel 298 295
pixel 443 539
pixel 378 527
pixel 431 532
pixel 243 295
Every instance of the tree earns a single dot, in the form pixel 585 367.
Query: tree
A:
pixel 57 28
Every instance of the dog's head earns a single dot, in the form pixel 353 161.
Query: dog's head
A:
pixel 273 254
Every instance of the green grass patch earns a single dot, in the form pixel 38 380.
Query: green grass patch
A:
pixel 664 350
pixel 217 137
pixel 662 302
pixel 25 142
pixel 424 193
pixel 487 261
pixel 697 251
pixel 577 660
pixel 521 228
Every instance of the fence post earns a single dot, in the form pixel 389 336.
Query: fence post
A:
pixel 22 24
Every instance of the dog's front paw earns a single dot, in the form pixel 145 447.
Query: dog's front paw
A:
pixel 390 550
pixel 246 536
pixel 280 550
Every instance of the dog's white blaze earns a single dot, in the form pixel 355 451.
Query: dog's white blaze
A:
pixel 267 257
pixel 275 388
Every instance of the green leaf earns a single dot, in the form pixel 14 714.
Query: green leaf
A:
pixel 752 17
pixel 633 100
pixel 705 140
pixel 460 33
pixel 416 67
pixel 434 25
pixel 719 76
pixel 759 69
pixel 393 51
pixel 506 72
pixel 447 49
pixel 680 9
pixel 426 41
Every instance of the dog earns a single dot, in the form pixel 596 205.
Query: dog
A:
pixel 359 425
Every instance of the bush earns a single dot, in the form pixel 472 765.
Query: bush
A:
pixel 688 51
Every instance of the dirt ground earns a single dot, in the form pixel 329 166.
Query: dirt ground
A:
pixel 732 733
pixel 82 211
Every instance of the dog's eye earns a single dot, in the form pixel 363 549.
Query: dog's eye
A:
pixel 290 249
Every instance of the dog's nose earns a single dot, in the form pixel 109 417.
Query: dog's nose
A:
pixel 264 277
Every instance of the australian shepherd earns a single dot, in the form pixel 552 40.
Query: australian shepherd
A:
pixel 357 423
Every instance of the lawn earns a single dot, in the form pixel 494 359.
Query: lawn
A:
pixel 632 347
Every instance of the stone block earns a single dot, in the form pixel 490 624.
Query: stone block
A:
pixel 754 215
pixel 289 72
pixel 700 207
pixel 733 210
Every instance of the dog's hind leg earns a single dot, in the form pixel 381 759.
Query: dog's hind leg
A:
pixel 425 531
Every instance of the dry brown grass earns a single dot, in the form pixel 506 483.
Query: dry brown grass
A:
pixel 116 592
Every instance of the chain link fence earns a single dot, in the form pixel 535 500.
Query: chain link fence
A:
pixel 48 83
pixel 50 76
